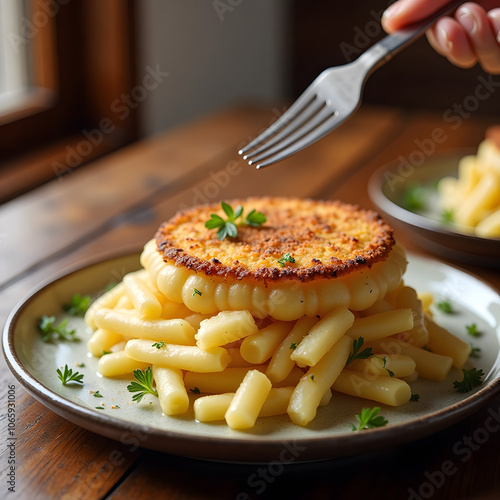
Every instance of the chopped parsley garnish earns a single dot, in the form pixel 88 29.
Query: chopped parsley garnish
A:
pixel 445 306
pixel 475 352
pixel 158 345
pixel 384 366
pixel 195 390
pixel 356 354
pixel 98 407
pixel 472 378
pixel 286 258
pixel 415 397
pixel 229 227
pixel 312 377
pixel 369 419
pixel 97 394
pixel 80 365
pixel 143 386
pixel 78 305
pixel 106 352
pixel 196 292
pixel 293 345
pixel 414 197
pixel 66 376
pixel 51 332
pixel 447 216
pixel 472 330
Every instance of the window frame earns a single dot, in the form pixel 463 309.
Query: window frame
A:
pixel 85 58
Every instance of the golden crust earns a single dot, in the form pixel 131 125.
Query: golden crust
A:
pixel 326 239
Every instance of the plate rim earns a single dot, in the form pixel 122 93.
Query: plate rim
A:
pixel 250 450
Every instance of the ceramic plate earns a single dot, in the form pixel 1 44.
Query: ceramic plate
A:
pixel 34 364
pixel 386 188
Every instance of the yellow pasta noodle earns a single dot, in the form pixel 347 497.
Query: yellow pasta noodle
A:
pixel 248 401
pixel 307 396
pixel 382 324
pixel 386 390
pixel 281 363
pixel 144 300
pixel 102 340
pixel 178 356
pixel 118 363
pixel 384 364
pixel 322 336
pixel 225 327
pixel 441 341
pixel 428 364
pixel 175 331
pixel 172 394
pixel 260 346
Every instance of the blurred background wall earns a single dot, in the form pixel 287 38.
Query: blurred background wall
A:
pixel 217 53
pixel 224 51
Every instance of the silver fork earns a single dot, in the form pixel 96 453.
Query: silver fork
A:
pixel 331 98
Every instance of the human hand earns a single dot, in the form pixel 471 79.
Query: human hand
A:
pixel 471 36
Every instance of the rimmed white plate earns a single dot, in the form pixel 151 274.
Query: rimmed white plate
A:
pixel 386 188
pixel 34 365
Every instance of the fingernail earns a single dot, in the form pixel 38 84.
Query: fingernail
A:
pixel 391 10
pixel 494 15
pixel 443 38
pixel 467 19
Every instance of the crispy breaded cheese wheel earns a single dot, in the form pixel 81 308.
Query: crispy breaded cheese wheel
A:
pixel 339 255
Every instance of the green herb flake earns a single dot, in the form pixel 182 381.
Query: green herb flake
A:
pixel 356 353
pixel 475 352
pixel 196 292
pixel 447 216
pixel 158 345
pixel 229 227
pixel 286 258
pixel 66 376
pixel 472 330
pixel 472 378
pixel 415 397
pixel 445 306
pixel 414 197
pixel 195 390
pixel 143 386
pixel 106 352
pixel 80 365
pixel 369 419
pixel 97 394
pixel 78 305
pixel 52 332
pixel 99 407
pixel 293 346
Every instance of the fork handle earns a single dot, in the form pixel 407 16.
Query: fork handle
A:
pixel 389 46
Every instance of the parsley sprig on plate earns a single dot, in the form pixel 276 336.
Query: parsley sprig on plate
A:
pixel 369 419
pixel 229 226
pixel 67 376
pixel 143 386
pixel 78 305
pixel 51 332
pixel 472 378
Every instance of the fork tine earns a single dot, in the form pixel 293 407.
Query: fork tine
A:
pixel 305 141
pixel 325 113
pixel 311 110
pixel 295 109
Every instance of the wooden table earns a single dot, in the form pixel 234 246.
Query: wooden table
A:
pixel 117 203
